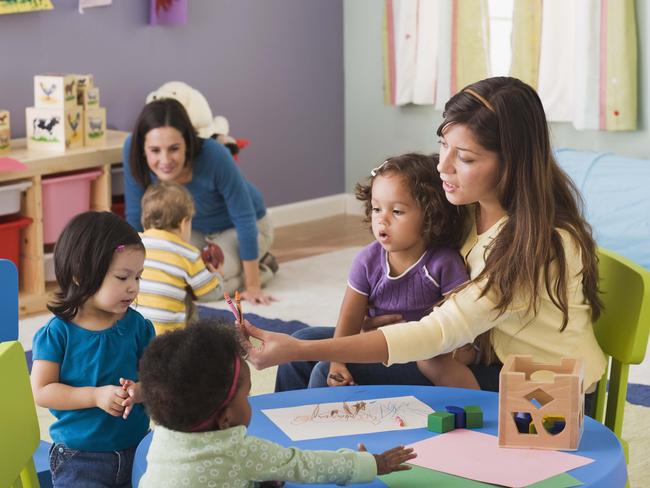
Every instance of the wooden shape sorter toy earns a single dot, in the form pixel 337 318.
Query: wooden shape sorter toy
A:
pixel 538 392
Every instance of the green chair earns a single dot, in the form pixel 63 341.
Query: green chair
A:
pixel 19 432
pixel 622 332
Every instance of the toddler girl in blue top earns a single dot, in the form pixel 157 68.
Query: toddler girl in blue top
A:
pixel 86 357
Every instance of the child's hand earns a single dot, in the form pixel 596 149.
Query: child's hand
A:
pixel 213 269
pixel 393 459
pixel 109 398
pixel 339 375
pixel 372 323
pixel 134 395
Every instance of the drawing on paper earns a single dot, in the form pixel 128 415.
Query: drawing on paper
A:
pixel 350 418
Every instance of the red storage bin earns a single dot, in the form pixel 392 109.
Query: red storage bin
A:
pixel 64 197
pixel 10 237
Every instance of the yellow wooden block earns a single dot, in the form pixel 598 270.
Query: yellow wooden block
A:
pixel 55 90
pixel 95 127
pixel 5 120
pixel 5 141
pixel 54 129
pixel 90 98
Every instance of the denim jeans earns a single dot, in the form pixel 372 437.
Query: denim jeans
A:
pixel 312 374
pixel 84 469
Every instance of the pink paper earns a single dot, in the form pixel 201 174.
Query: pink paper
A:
pixel 10 164
pixel 477 456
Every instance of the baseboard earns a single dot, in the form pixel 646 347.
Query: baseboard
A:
pixel 314 209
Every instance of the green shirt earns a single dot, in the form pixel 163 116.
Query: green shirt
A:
pixel 233 459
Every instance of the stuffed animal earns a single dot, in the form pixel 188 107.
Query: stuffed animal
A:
pixel 199 111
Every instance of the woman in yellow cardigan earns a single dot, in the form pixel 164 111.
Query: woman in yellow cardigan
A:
pixel 529 251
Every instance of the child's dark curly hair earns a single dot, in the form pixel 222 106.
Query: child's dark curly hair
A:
pixel 443 222
pixel 185 374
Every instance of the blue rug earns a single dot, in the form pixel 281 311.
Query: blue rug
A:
pixel 273 325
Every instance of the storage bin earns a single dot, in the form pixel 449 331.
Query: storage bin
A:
pixel 63 198
pixel 10 197
pixel 117 180
pixel 118 208
pixel 10 237
pixel 48 262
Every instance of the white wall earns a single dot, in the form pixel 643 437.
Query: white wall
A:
pixel 374 131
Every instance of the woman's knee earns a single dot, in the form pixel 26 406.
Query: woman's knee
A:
pixel 314 333
pixel 318 377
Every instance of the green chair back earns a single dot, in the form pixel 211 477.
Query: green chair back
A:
pixel 19 432
pixel 622 332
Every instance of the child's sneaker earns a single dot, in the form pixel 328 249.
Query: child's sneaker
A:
pixel 270 262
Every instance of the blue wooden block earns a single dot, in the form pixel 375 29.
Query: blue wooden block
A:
pixel 459 414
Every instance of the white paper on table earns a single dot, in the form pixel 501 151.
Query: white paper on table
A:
pixel 354 417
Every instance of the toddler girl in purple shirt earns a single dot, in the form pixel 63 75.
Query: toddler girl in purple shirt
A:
pixel 410 267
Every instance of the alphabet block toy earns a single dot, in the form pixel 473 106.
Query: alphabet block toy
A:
pixel 90 98
pixel 459 416
pixel 541 405
pixel 95 127
pixel 440 422
pixel 83 83
pixel 473 417
pixel 5 132
pixel 54 129
pixel 55 91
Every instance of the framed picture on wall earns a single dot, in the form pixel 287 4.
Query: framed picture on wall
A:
pixel 22 6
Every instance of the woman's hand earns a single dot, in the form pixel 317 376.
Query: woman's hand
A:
pixel 372 323
pixel 275 348
pixel 339 375
pixel 254 294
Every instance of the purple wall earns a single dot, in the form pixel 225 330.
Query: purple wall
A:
pixel 273 68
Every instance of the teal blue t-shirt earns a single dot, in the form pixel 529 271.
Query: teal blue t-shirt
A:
pixel 96 358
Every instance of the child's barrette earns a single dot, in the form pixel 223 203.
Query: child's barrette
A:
pixel 120 248
pixel 375 171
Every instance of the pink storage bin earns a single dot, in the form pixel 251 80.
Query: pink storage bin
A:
pixel 63 198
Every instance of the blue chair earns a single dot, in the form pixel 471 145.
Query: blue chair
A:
pixel 8 301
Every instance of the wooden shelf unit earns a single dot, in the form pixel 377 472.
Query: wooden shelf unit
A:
pixel 34 293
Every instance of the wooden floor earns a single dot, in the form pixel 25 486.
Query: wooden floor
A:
pixel 319 236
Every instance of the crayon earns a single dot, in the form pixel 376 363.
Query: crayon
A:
pixel 232 306
pixel 399 420
pixel 238 305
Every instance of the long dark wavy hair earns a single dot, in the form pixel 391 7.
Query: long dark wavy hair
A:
pixel 82 256
pixel 508 118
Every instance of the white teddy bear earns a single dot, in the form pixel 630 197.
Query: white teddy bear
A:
pixel 197 108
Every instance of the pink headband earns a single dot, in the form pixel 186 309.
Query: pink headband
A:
pixel 207 423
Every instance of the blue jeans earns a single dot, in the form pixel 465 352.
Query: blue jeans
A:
pixel 84 469
pixel 312 374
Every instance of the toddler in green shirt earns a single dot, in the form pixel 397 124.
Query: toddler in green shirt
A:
pixel 195 386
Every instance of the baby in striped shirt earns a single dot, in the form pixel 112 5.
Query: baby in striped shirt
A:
pixel 174 272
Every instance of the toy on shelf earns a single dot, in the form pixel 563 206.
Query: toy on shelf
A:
pixel 66 113
pixel 541 405
pixel 200 114
pixel 5 132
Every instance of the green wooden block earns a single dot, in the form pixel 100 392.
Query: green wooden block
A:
pixel 473 417
pixel 440 422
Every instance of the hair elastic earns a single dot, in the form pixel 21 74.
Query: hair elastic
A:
pixel 120 248
pixel 208 422
pixel 481 99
